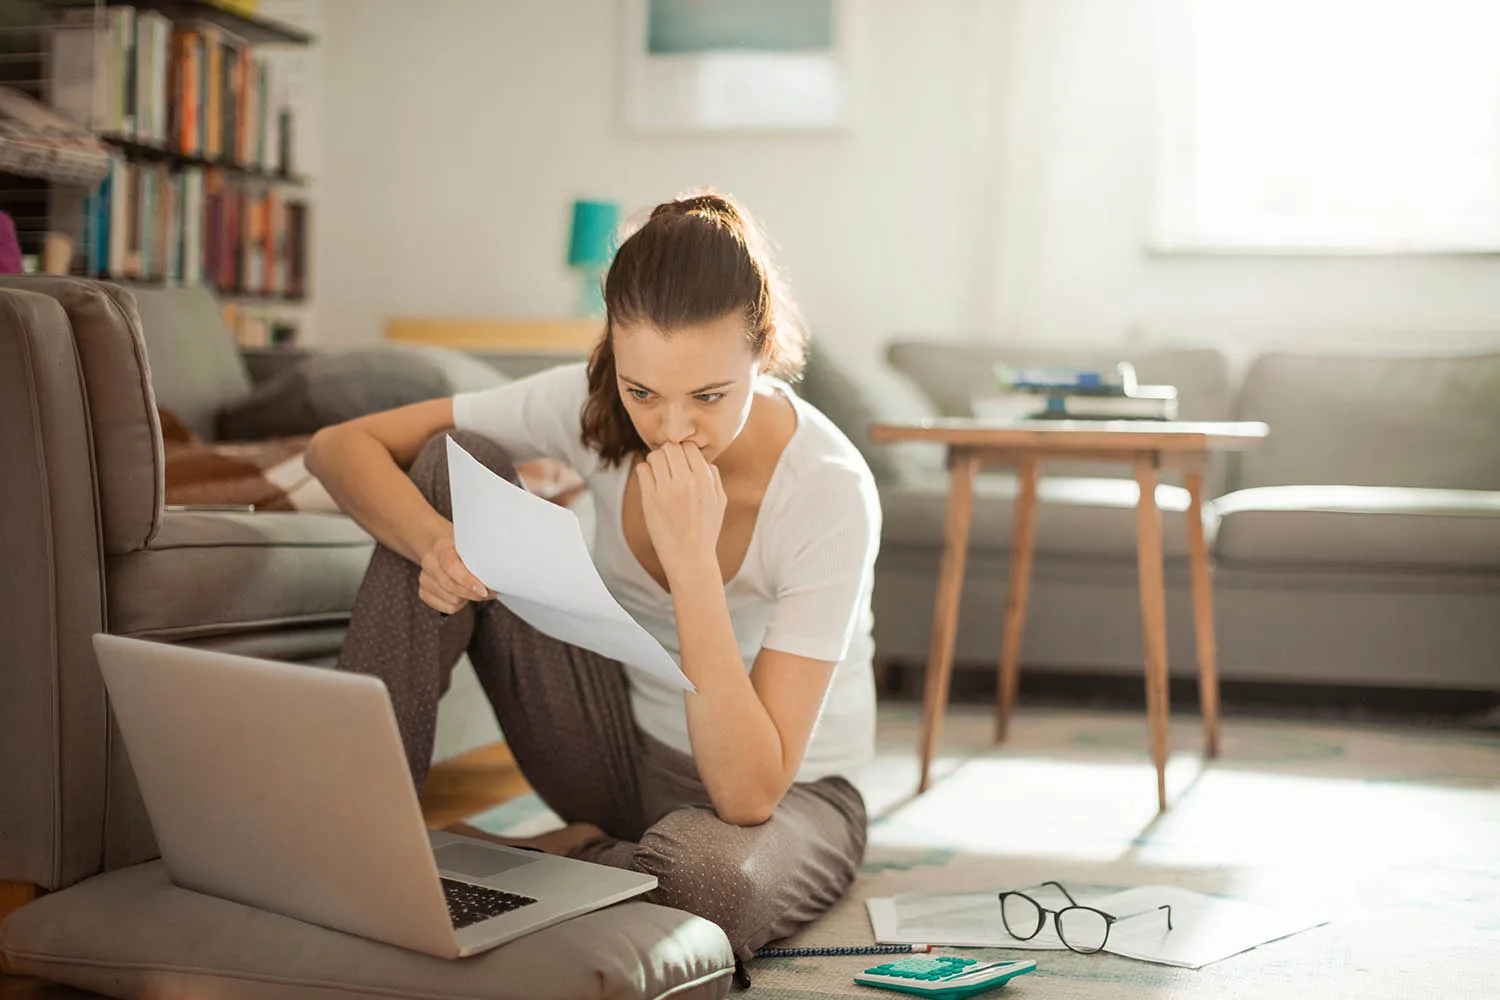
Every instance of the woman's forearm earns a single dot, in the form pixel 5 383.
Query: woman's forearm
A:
pixel 367 484
pixel 735 742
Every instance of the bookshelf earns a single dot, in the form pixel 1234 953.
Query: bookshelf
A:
pixel 203 187
pixel 253 29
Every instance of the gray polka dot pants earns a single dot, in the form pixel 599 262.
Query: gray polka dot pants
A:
pixel 566 716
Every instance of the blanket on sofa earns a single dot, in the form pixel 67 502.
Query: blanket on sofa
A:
pixel 271 474
pixel 267 475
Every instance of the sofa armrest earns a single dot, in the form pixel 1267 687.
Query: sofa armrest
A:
pixel 53 723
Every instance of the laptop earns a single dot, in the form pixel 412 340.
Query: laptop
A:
pixel 286 788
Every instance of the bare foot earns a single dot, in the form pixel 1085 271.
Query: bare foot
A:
pixel 558 842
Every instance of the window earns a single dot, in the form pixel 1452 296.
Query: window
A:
pixel 1328 125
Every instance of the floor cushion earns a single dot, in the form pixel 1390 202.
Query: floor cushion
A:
pixel 132 933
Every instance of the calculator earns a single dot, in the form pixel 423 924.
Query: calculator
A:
pixel 942 977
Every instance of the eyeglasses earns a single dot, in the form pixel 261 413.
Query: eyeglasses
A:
pixel 1080 928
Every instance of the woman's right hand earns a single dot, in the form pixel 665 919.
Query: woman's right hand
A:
pixel 446 584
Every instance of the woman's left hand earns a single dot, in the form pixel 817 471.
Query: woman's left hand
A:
pixel 683 501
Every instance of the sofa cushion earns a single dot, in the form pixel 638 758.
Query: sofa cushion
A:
pixel 853 404
pixel 131 933
pixel 216 573
pixel 1374 421
pixel 195 364
pixel 1364 526
pixel 121 404
pixel 329 388
pixel 1075 516
pixel 829 388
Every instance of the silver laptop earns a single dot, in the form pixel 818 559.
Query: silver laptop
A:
pixel 285 787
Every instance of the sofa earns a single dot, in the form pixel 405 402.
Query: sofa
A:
pixel 89 547
pixel 1359 544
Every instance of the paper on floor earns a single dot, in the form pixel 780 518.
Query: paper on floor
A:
pixel 531 553
pixel 1206 929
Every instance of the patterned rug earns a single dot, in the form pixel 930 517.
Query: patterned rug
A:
pixel 1392 833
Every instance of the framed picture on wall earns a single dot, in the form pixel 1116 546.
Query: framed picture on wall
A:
pixel 735 65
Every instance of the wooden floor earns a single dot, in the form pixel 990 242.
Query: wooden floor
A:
pixel 480 779
pixel 456 789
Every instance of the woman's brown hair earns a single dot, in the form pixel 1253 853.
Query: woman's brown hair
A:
pixel 696 259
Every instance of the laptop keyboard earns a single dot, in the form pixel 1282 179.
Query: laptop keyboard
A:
pixel 469 904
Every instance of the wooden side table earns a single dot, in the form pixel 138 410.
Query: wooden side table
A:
pixel 1148 446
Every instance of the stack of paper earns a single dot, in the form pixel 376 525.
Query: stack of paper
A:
pixel 1205 929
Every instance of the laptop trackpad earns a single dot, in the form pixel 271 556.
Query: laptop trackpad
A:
pixel 478 861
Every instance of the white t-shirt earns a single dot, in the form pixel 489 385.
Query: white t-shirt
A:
pixel 804 587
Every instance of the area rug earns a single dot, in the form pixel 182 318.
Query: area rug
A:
pixel 1392 833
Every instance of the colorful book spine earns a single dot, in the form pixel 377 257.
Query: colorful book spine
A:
pixel 213 105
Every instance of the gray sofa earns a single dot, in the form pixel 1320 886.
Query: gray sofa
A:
pixel 1359 544
pixel 89 547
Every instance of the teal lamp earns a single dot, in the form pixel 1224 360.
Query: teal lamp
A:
pixel 589 251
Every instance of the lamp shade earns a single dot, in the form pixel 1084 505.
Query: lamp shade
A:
pixel 593 232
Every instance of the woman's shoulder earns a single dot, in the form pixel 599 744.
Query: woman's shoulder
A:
pixel 564 383
pixel 821 452
pixel 539 415
pixel 828 473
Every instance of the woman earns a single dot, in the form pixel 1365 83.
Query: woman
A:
pixel 735 523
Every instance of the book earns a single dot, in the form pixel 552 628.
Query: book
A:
pixel 1110 408
pixel 1028 406
pixel 1062 393
pixel 1080 382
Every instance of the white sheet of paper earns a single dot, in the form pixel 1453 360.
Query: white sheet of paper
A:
pixel 531 553
pixel 1206 929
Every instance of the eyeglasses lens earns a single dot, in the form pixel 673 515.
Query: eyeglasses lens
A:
pixel 1082 929
pixel 1022 917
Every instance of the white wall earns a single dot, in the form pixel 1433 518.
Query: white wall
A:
pixel 996 181
pixel 458 132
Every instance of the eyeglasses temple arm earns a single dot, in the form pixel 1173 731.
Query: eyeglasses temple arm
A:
pixel 1065 892
pixel 1164 906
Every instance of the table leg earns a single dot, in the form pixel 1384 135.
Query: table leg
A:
pixel 1022 542
pixel 962 466
pixel 1203 614
pixel 1153 618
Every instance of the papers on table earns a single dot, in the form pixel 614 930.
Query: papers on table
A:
pixel 531 553
pixel 1206 929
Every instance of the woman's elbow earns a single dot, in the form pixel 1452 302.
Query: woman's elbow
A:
pixel 742 816
pixel 317 451
pixel 749 811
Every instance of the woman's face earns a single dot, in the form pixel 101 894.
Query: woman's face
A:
pixel 692 386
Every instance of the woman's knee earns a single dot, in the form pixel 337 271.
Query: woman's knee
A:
pixel 430 469
pixel 702 865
